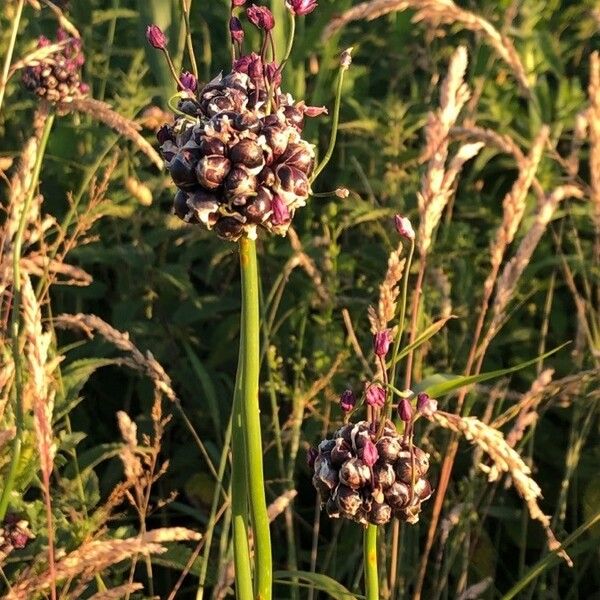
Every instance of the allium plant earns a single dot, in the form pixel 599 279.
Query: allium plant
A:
pixel 240 164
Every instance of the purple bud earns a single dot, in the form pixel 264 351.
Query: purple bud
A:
pixel 375 396
pixel 273 73
pixel 84 88
pixel 244 63
pixel 156 38
pixel 188 81
pixel 381 342
pixel 43 41
pixel 347 400
pixel 426 405
pixel 261 17
pixel 281 213
pixel 405 410
pixel 311 456
pixel 236 30
pixel 404 227
pixel 301 7
pixel 369 453
pixel 235 3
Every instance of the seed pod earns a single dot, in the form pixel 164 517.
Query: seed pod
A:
pixel 380 513
pixel 240 182
pixel 397 495
pixel 212 170
pixel 354 473
pixel 384 475
pixel 340 453
pixel 247 152
pixel 348 500
pixel 388 448
pixel 229 228
pixel 182 171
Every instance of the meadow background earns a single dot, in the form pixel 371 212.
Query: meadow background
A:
pixel 104 243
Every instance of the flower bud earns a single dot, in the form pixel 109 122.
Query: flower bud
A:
pixel 369 453
pixel 240 182
pixel 348 500
pixel 404 227
pixel 354 473
pixel 380 513
pixel 281 213
pixel 235 3
pixel 405 410
pixel 346 58
pixel 247 152
pixel 156 38
pixel 426 405
pixel 212 170
pixel 381 342
pixel 301 7
pixel 388 448
pixel 261 17
pixel 188 81
pixel 347 400
pixel 236 30
pixel 273 74
pixel 375 396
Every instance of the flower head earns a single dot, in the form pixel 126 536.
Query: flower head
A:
pixel 375 395
pixel 301 7
pixel 347 400
pixel 369 453
pixel 236 30
pixel 404 227
pixel 426 405
pixel 156 38
pixel 188 81
pixel 261 17
pixel 381 342
pixel 405 410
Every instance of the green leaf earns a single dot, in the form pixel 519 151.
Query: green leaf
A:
pixel 441 388
pixel 326 584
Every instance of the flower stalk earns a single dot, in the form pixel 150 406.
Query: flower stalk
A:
pixel 370 562
pixel 248 374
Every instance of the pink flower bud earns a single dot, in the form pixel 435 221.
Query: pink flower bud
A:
pixel 381 342
pixel 375 396
pixel 404 227
pixel 235 3
pixel 188 81
pixel 156 38
pixel 426 405
pixel 43 41
pixel 261 17
pixel 405 410
pixel 301 7
pixel 369 453
pixel 236 30
pixel 347 400
pixel 273 74
pixel 281 213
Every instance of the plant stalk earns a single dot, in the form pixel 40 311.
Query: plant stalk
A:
pixel 16 320
pixel 250 409
pixel 370 562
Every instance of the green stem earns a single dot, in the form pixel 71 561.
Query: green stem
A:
pixel 239 492
pixel 11 48
pixel 290 43
pixel 335 123
pixel 370 562
pixel 15 319
pixel 249 362
pixel 188 37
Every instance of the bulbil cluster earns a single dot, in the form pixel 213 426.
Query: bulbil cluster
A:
pixel 57 76
pixel 236 153
pixel 370 479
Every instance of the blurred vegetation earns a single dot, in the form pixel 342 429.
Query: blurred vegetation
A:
pixel 175 289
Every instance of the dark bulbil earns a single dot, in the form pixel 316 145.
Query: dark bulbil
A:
pixel 369 480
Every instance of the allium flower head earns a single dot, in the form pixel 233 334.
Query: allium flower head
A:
pixel 261 17
pixel 301 7
pixel 381 342
pixel 375 396
pixel 405 410
pixel 426 405
pixel 156 38
pixel 188 81
pixel 347 400
pixel 404 227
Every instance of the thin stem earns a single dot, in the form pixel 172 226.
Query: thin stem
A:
pixel 249 355
pixel 239 492
pixel 290 43
pixel 370 562
pixel 188 36
pixel 171 67
pixel 335 123
pixel 11 48
pixel 15 319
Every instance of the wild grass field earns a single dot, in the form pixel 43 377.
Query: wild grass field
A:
pixel 400 373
